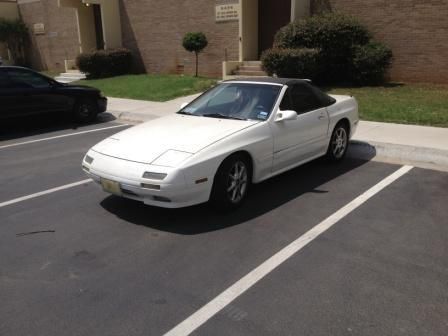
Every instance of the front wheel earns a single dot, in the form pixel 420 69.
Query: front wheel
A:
pixel 85 111
pixel 338 143
pixel 231 183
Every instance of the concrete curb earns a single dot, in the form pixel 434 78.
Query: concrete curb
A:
pixel 132 117
pixel 423 157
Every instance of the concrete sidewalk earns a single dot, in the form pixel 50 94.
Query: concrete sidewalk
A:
pixel 421 146
pixel 138 111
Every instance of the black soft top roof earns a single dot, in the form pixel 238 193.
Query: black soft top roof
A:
pixel 273 80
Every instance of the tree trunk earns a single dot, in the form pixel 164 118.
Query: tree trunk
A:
pixel 197 54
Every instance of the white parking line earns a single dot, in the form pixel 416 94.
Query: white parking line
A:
pixel 62 136
pixel 45 192
pixel 222 300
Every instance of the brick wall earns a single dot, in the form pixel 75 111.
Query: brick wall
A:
pixel 154 29
pixel 416 30
pixel 60 41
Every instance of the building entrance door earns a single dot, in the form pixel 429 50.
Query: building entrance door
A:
pixel 272 15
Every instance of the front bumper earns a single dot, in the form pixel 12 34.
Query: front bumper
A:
pixel 102 104
pixel 174 193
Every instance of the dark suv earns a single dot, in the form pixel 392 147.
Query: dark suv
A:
pixel 25 92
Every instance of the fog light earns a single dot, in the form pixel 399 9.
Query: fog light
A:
pixel 154 176
pixel 85 168
pixel 150 186
pixel 161 199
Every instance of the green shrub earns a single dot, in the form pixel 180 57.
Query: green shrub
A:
pixel 345 48
pixel 332 31
pixel 293 63
pixel 370 63
pixel 14 33
pixel 105 63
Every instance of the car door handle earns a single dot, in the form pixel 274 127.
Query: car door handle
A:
pixel 321 117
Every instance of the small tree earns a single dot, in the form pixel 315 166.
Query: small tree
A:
pixel 195 42
pixel 14 34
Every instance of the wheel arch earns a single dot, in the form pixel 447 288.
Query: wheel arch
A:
pixel 246 154
pixel 346 122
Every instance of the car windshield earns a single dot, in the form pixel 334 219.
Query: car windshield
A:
pixel 235 101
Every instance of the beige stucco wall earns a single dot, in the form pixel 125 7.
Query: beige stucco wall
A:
pixel 300 9
pixel 86 28
pixel 110 16
pixel 249 30
pixel 110 13
pixel 9 10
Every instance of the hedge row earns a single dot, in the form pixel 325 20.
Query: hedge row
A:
pixel 291 62
pixel 345 51
pixel 105 63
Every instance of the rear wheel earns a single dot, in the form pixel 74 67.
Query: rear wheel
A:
pixel 231 182
pixel 338 143
pixel 85 110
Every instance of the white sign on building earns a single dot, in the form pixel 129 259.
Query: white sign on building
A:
pixel 227 12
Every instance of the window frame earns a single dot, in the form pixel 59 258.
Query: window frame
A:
pixel 321 99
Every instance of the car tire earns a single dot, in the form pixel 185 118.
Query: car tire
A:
pixel 339 142
pixel 85 111
pixel 231 183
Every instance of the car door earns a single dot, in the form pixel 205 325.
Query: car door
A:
pixel 38 92
pixel 304 137
pixel 12 100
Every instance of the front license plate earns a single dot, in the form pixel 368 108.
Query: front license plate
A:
pixel 111 186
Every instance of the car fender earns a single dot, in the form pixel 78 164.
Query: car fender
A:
pixel 257 141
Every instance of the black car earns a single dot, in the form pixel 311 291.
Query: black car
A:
pixel 26 92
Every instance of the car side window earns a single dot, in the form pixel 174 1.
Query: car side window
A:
pixel 4 81
pixel 26 79
pixel 303 99
pixel 286 101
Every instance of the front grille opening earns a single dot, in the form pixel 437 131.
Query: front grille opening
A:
pixel 128 192
pixel 161 199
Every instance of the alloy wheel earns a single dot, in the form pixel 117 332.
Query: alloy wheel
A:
pixel 339 142
pixel 237 182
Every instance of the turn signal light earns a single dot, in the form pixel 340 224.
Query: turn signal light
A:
pixel 150 186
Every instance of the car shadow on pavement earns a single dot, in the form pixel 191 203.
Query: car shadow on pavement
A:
pixel 35 125
pixel 263 198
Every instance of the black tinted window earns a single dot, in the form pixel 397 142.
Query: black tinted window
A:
pixel 325 99
pixel 286 101
pixel 4 81
pixel 26 79
pixel 303 99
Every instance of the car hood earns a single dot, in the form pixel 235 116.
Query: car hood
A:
pixel 148 141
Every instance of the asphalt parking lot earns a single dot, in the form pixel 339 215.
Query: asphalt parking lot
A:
pixel 76 261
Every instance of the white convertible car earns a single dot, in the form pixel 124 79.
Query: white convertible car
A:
pixel 239 132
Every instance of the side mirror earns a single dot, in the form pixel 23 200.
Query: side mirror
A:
pixel 183 105
pixel 286 115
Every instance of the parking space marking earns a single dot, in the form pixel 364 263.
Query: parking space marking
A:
pixel 202 315
pixel 61 136
pixel 45 192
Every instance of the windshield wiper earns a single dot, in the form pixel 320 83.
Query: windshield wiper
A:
pixel 187 113
pixel 222 116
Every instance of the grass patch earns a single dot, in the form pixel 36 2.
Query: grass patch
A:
pixel 150 87
pixel 419 104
